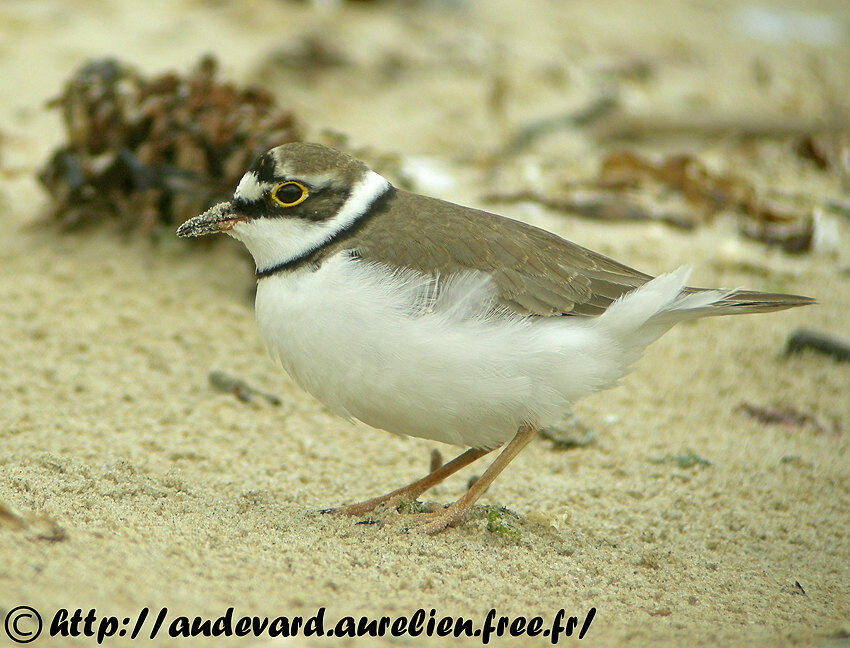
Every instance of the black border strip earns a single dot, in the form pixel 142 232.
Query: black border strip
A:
pixel 378 205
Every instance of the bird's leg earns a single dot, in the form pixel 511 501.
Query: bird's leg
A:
pixel 414 490
pixel 454 513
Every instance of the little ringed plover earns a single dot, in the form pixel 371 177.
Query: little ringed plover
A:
pixel 429 319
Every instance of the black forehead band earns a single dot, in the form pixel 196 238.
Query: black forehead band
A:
pixel 264 167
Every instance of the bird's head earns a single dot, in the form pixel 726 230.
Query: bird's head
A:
pixel 294 199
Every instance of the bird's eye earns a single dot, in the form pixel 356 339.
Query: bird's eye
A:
pixel 289 194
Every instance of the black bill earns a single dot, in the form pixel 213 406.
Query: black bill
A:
pixel 218 218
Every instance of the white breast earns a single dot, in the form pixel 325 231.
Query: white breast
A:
pixel 380 347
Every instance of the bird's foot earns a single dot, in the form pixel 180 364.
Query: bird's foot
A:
pixel 438 521
pixel 409 494
pixel 360 508
pixel 374 505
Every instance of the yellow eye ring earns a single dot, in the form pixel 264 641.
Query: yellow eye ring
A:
pixel 288 198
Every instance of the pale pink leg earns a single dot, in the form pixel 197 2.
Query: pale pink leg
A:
pixel 414 490
pixel 455 513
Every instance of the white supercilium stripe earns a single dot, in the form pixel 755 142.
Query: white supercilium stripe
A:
pixel 276 241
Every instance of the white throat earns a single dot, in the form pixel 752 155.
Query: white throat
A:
pixel 278 241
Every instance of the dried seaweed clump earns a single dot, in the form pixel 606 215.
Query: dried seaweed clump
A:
pixel 152 153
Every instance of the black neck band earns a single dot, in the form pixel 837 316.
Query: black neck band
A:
pixel 377 205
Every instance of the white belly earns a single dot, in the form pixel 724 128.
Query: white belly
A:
pixel 380 348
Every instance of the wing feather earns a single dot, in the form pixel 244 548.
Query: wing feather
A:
pixel 535 272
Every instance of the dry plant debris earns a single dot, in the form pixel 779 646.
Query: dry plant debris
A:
pixel 624 175
pixel 598 206
pixel 828 151
pixel 571 434
pixel 786 416
pixel 35 526
pixel 761 219
pixel 153 152
pixel 805 339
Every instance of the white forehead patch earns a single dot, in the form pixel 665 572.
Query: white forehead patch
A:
pixel 250 188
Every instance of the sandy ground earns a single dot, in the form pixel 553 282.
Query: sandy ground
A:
pixel 139 485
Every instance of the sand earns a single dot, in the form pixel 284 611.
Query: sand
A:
pixel 128 481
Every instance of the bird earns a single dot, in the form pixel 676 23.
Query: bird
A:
pixel 429 319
